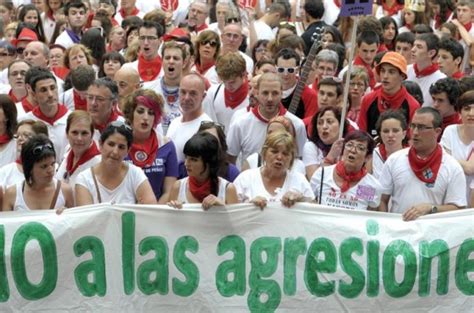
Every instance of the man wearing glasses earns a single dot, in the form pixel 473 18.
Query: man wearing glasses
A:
pixel 43 88
pixel 16 78
pixel 423 179
pixel 198 12
pixel 149 62
pixel 102 101
pixel 392 94
pixel 231 39
pixel 287 64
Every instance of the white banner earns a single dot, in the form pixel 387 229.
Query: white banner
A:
pixel 235 259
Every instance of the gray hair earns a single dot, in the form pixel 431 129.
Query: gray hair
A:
pixel 109 84
pixel 327 55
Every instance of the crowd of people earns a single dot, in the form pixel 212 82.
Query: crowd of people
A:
pixel 175 102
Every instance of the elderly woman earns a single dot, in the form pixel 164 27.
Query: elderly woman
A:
pixel 76 55
pixel 274 181
pixel 323 146
pixel 203 184
pixel 347 183
pixel 458 140
pixel 83 152
pixel 39 190
pixel 207 49
pixel 8 115
pixel 12 172
pixel 151 151
pixel 113 180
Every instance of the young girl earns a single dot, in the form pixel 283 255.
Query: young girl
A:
pixel 29 14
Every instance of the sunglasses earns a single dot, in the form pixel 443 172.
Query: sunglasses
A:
pixel 20 50
pixel 289 70
pixel 39 149
pixel 120 124
pixel 212 43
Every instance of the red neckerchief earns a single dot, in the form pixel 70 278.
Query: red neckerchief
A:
pixel 149 70
pixel 199 190
pixel 452 119
pixel 60 71
pixel 438 21
pixel 468 26
pixel 393 9
pixel 18 161
pixel 394 102
pixel 358 61
pixel 79 103
pixel 122 12
pixel 349 177
pixel 197 29
pixel 4 139
pixel 426 71
pixel 27 106
pixel 62 110
pixel 337 3
pixel 383 152
pixel 409 26
pixel 169 4
pixel 144 154
pixel 257 114
pixel 458 75
pixel 233 99
pixel 113 117
pixel 91 152
pixel 50 15
pixel 201 69
pixel 12 96
pixel 426 170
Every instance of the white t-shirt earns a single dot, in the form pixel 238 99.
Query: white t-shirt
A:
pixel 8 153
pixel 214 106
pixel 451 142
pixel 377 163
pixel 399 181
pixel 71 180
pixel 366 193
pixel 263 30
pixel 180 132
pixel 249 184
pixel 312 155
pixel 10 175
pixel 20 204
pixel 64 40
pixel 183 189
pixel 125 193
pixel 425 83
pixel 67 98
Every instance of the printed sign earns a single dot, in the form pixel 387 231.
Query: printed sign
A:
pixel 356 7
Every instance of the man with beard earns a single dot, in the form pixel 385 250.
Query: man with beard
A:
pixel 76 15
pixel 198 12
pixel 247 131
pixel 44 90
pixel 192 90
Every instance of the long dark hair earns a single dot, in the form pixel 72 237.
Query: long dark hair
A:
pixel 206 146
pixel 314 136
pixel 39 26
pixel 223 164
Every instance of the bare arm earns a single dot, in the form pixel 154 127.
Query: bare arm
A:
pixel 167 186
pixel 173 200
pixel 231 194
pixel 383 207
pixel 68 195
pixel 425 208
pixel 463 32
pixel 83 196
pixel 9 198
pixel 145 194
pixel 231 159
pixel 468 166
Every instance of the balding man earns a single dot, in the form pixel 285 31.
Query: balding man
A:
pixel 192 91
pixel 231 39
pixel 198 12
pixel 127 80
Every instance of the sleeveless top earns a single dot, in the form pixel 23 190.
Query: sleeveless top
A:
pixel 20 204
pixel 183 188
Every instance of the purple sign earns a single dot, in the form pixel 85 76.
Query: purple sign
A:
pixel 356 7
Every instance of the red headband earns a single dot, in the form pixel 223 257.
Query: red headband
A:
pixel 151 104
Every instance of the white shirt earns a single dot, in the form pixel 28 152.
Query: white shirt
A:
pixel 425 83
pixel 399 181
pixel 312 155
pixel 249 184
pixel 8 153
pixel 10 175
pixel 125 193
pixel 263 30
pixel 71 180
pixel 366 193
pixel 180 132
pixel 64 40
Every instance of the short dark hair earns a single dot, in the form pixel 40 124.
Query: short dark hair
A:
pixel 287 54
pixel 407 37
pixel 431 40
pixel 38 74
pixel 466 99
pixel 466 83
pixel 448 85
pixel 35 149
pixel 452 46
pixel 150 24
pixel 360 135
pixel 77 4
pixel 82 77
pixel 331 81
pixel 131 21
pixel 419 29
pixel 437 119
pixel 392 114
pixel 369 37
pixel 314 8
pixel 109 84
pixel 123 130
pixel 414 90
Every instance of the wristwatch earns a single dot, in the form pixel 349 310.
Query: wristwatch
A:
pixel 434 209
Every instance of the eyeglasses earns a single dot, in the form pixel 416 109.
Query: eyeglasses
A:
pixel 212 43
pixel 39 149
pixel 120 124
pixel 209 124
pixel 98 99
pixel 352 146
pixel 22 135
pixel 149 38
pixel 420 127
pixel 289 70
pixel 20 50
